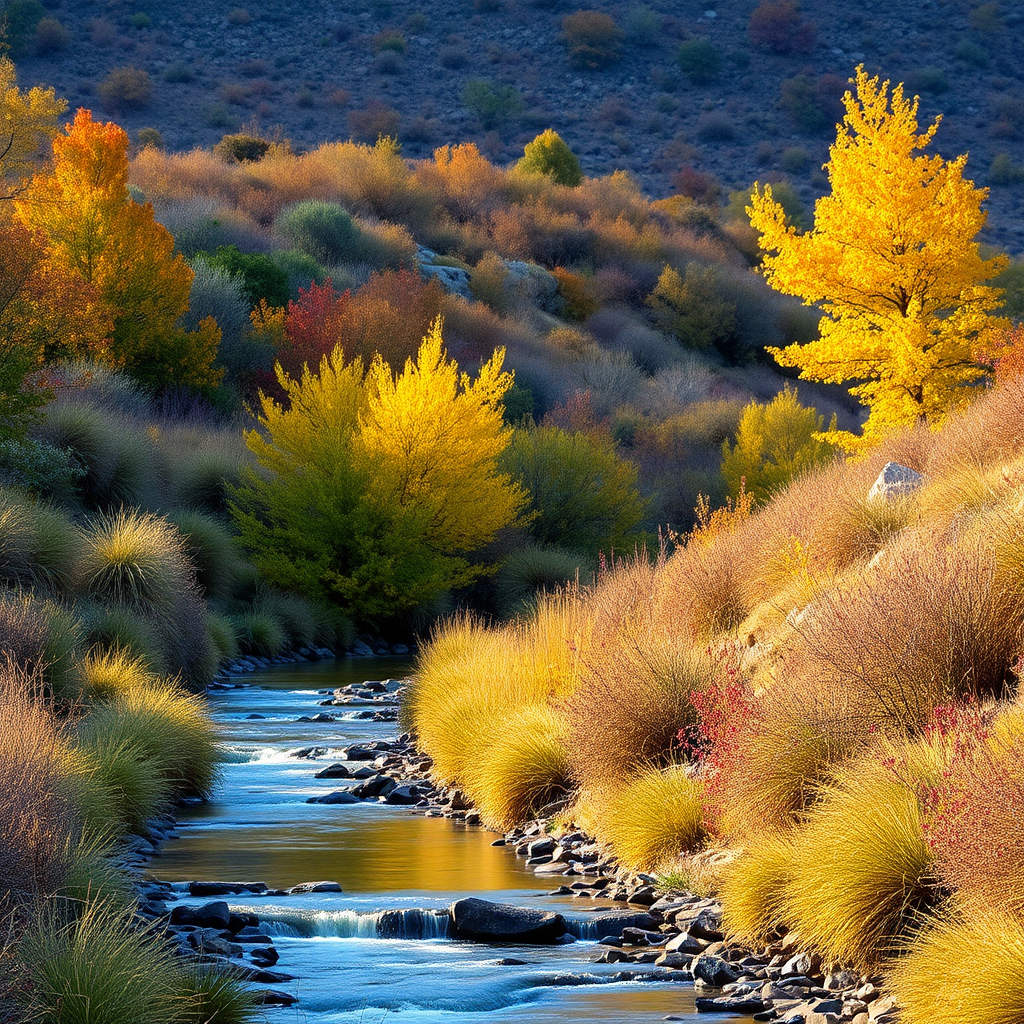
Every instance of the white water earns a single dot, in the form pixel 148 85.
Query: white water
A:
pixel 399 872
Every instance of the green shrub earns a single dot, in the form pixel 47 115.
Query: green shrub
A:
pixel 694 310
pixel 149 137
pixel 931 80
pixel 583 495
pixel 548 154
pixel 51 37
pixel 241 148
pixel 322 230
pixel 211 550
pixel 260 276
pixel 179 74
pixel 795 160
pixel 39 467
pixel 168 728
pixel 533 570
pixel 493 104
pixel 643 26
pixel 22 19
pixel 593 38
pixel 259 632
pixel 971 53
pixel 222 636
pixel 125 89
pixel 775 443
pixel 100 968
pixel 699 60
pixel 1003 171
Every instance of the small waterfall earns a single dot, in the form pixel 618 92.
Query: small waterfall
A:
pixel 413 923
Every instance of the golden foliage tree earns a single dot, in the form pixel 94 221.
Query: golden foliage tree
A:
pixel 27 121
pixel 373 486
pixel 94 229
pixel 893 264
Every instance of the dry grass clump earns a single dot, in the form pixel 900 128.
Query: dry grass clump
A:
pixel 861 870
pixel 654 819
pixel 37 817
pixel 522 769
pixel 106 673
pixel 469 678
pixel 905 638
pixel 936 983
pixel 750 888
pixel 41 639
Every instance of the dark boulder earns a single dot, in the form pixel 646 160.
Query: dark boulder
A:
pixel 497 922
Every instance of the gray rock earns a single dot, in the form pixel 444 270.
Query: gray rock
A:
pixel 359 754
pixel 729 1004
pixel 526 282
pixel 339 796
pixel 895 481
pixel 497 922
pixel 225 888
pixel 404 795
pixel 272 997
pixel 265 956
pixel 315 887
pixel 712 970
pixel 333 771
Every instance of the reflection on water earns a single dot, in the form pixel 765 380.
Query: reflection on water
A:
pixel 259 827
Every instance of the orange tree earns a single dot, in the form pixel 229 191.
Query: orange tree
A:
pixel 893 264
pixel 94 230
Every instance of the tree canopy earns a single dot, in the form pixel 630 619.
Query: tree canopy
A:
pixel 892 262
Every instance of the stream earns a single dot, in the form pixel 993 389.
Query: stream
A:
pixel 259 827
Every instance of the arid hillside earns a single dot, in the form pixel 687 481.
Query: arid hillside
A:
pixel 698 97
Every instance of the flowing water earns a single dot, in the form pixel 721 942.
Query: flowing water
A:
pixel 379 951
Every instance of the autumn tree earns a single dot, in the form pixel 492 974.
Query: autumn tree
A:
pixel 775 442
pixel 373 486
pixel 28 120
pixel 94 229
pixel 893 264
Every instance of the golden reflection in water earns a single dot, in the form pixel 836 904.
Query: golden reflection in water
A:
pixel 374 849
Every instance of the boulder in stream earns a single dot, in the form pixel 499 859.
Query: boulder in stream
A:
pixel 484 921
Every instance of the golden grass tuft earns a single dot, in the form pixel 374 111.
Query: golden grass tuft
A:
pixel 107 673
pixel 654 819
pixel 861 870
pixel 522 769
pixel 750 888
pixel 963 970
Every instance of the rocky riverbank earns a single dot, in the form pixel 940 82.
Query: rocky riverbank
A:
pixel 671 936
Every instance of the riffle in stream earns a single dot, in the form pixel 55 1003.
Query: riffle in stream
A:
pixel 379 950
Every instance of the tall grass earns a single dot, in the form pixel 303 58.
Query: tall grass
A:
pixel 134 559
pixel 751 888
pixel 861 870
pixel 935 983
pixel 41 638
pixel 169 728
pixel 99 968
pixel 522 769
pixel 107 673
pixel 654 819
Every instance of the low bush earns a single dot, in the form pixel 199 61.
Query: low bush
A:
pixel 655 819
pixel 593 39
pixel 692 307
pixel 125 89
pixel 42 640
pixel 531 571
pixel 777 26
pixel 242 148
pixel 700 60
pixel 325 231
pixel 259 632
pixel 493 104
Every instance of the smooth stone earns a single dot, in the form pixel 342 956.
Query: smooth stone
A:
pixel 482 920
pixel 315 887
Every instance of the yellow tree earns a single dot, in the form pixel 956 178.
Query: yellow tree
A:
pixel 95 230
pixel 28 120
pixel 372 487
pixel 893 264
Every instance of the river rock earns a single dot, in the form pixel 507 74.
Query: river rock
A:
pixel 308 753
pixel 712 970
pixel 264 956
pixel 498 922
pixel 380 785
pixel 272 997
pixel 729 1004
pixel 226 888
pixel 407 795
pixel 210 915
pixel 333 771
pixel 315 887
pixel 359 754
pixel 613 922
pixel 339 796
